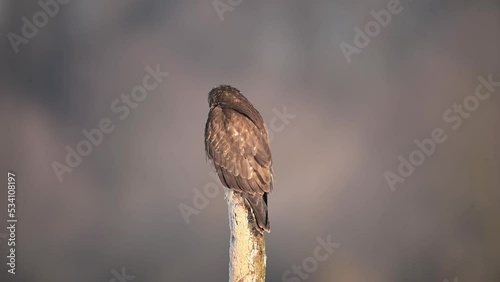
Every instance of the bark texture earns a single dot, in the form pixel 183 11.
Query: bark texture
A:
pixel 247 250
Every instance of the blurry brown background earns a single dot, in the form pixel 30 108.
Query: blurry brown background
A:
pixel 120 207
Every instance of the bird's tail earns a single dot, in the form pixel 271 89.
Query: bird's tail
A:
pixel 258 203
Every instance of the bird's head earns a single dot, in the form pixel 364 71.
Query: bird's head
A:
pixel 225 95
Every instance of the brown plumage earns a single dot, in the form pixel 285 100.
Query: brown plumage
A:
pixel 237 142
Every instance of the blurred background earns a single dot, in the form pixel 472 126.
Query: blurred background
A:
pixel 120 207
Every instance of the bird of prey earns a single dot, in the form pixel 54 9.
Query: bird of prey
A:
pixel 237 143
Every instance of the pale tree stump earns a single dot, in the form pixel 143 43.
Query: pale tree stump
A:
pixel 247 250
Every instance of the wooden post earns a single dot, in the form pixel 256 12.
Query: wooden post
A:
pixel 247 250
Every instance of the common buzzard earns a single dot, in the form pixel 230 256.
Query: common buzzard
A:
pixel 237 143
